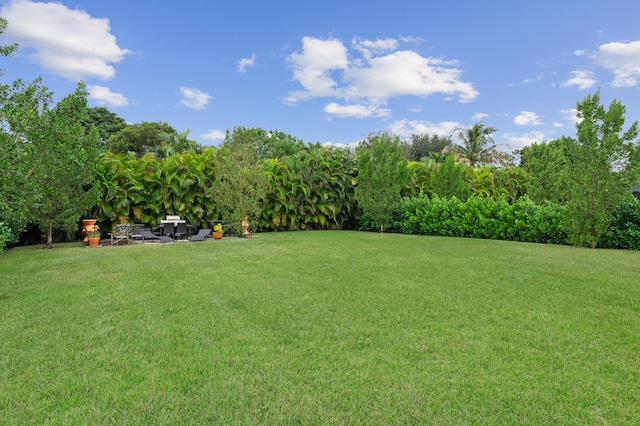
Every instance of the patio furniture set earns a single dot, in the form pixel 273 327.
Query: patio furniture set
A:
pixel 171 229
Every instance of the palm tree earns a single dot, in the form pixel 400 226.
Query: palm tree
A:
pixel 476 145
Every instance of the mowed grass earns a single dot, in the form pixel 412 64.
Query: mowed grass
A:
pixel 320 328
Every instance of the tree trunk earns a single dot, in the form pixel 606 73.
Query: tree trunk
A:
pixel 50 237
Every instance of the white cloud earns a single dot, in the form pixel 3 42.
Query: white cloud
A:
pixel 213 135
pixel 244 63
pixel 582 79
pixel 67 42
pixel 355 110
pixel 325 69
pixel 479 116
pixel 368 48
pixel 519 141
pixel 623 58
pixel 406 128
pixel 194 98
pixel 312 68
pixel 104 96
pixel 570 116
pixel 527 118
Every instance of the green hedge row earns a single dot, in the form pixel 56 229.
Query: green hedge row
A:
pixel 485 217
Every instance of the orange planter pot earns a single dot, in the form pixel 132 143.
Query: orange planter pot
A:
pixel 94 242
pixel 217 235
pixel 88 225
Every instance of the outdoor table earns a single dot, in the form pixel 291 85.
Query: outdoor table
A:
pixel 175 223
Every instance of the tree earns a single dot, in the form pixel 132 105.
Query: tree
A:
pixel 140 138
pixel 106 122
pixel 9 49
pixel 476 145
pixel 449 180
pixel 382 174
pixel 63 176
pixel 421 146
pixel 547 165
pixel 172 143
pixel 604 161
pixel 241 180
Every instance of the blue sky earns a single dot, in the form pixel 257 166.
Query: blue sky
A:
pixel 335 71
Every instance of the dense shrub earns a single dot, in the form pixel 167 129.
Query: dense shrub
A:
pixel 484 217
pixel 624 226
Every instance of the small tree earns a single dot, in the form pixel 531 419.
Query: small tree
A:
pixel 241 181
pixel 63 175
pixel 382 174
pixel 604 162
pixel 449 180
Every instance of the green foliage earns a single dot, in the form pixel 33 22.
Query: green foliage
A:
pixel 547 165
pixel 476 146
pixel 604 161
pixel 6 50
pixel 424 146
pixel 241 181
pixel 624 226
pixel 382 175
pixel 107 123
pixel 140 138
pixel 312 189
pixel 147 189
pixel 449 181
pixel 172 143
pixel 63 176
pixel 484 217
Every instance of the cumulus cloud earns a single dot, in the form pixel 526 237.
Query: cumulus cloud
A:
pixel 479 116
pixel 325 68
pixel 570 116
pixel 194 98
pixel 244 63
pixel 623 58
pixel 355 110
pixel 527 118
pixel 582 79
pixel 406 128
pixel 67 42
pixel 519 141
pixel 104 96
pixel 213 135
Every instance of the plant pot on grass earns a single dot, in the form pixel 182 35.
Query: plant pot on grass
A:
pixel 217 232
pixel 93 237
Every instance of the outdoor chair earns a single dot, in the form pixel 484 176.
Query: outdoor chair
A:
pixel 136 232
pixel 148 235
pixel 123 232
pixel 181 230
pixel 200 235
pixel 168 229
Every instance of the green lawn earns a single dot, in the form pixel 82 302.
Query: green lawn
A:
pixel 320 328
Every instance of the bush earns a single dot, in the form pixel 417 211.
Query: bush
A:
pixel 484 217
pixel 624 226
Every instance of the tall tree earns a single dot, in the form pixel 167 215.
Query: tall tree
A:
pixel 175 142
pixel 476 145
pixel 547 165
pixel 63 176
pixel 449 180
pixel 107 123
pixel 604 161
pixel 140 138
pixel 382 175
pixel 241 180
pixel 418 147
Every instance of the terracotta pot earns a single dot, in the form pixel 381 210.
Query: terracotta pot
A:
pixel 216 235
pixel 245 226
pixel 88 226
pixel 94 241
